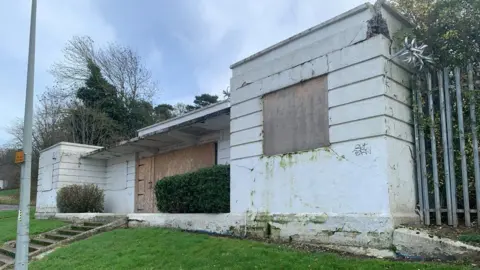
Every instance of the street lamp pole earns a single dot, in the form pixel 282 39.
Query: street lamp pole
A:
pixel 21 250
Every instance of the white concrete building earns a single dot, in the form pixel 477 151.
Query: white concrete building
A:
pixel 318 132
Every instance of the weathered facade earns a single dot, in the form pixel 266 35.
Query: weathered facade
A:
pixel 319 138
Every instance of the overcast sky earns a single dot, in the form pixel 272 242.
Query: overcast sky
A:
pixel 187 44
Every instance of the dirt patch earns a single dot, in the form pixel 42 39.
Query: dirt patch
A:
pixel 461 233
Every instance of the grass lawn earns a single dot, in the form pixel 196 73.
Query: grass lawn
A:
pixel 8 225
pixel 153 248
pixel 9 196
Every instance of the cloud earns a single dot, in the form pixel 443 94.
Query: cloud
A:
pixel 228 31
pixel 57 22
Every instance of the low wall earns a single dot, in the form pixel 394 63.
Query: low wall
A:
pixel 359 231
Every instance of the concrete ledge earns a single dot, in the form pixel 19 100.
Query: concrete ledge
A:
pixel 225 224
pixel 92 217
pixel 313 228
pixel 420 245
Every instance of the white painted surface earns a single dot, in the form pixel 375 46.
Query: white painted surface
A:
pixel 120 184
pixel 59 166
pixel 367 171
pixel 214 223
pixel 348 20
pixel 62 165
pixel 2 184
pixel 223 147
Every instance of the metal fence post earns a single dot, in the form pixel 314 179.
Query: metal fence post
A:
pixel 423 159
pixel 448 110
pixel 461 131
pixel 417 152
pixel 445 146
pixel 433 144
pixel 476 165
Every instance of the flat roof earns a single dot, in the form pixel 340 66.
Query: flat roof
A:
pixel 187 130
pixel 187 116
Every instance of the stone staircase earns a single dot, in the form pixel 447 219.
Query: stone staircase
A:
pixel 51 239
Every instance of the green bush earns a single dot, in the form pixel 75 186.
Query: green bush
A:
pixel 80 199
pixel 204 191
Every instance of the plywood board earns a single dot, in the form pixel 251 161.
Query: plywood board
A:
pixel 296 118
pixel 153 169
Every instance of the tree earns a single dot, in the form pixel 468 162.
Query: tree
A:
pixel 99 94
pixel 205 100
pixel 9 171
pixel 202 100
pixel 450 28
pixel 90 126
pixel 180 108
pixel 164 112
pixel 121 66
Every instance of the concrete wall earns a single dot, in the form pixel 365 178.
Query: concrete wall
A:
pixel 120 184
pixel 59 166
pixel 362 185
pixel 223 147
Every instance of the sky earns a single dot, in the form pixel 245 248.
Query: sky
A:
pixel 188 45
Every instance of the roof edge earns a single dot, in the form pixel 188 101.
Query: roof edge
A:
pixel 221 104
pixel 304 33
pixel 71 144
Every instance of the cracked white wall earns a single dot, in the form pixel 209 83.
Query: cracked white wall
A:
pixel 366 175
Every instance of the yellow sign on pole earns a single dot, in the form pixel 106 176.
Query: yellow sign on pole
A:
pixel 19 157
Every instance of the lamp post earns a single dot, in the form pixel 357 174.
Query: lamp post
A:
pixel 21 249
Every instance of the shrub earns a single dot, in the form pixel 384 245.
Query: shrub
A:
pixel 204 191
pixel 80 199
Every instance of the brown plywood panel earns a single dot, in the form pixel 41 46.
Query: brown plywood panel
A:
pixel 143 186
pixel 140 202
pixel 183 161
pixel 296 118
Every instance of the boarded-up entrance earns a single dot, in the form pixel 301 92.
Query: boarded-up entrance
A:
pixel 152 169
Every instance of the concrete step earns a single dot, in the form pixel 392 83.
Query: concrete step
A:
pixel 42 242
pixel 35 247
pixel 8 251
pixel 56 236
pixel 68 232
pixel 93 224
pixel 82 228
pixel 4 259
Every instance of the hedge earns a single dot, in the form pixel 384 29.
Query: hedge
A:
pixel 204 191
pixel 80 199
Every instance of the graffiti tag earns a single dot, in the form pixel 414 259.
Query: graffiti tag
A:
pixel 362 149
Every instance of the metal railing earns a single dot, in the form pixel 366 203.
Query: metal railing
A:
pixel 447 158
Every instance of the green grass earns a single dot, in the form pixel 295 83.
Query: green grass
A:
pixel 153 248
pixel 8 225
pixel 9 192
pixel 470 238
pixel 9 196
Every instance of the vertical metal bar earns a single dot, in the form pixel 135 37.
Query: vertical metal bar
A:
pixel 451 154
pixel 461 133
pixel 23 239
pixel 445 147
pixel 433 144
pixel 417 152
pixel 423 158
pixel 476 165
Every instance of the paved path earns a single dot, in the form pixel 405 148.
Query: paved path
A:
pixel 5 207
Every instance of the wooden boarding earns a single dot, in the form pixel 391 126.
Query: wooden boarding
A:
pixel 153 169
